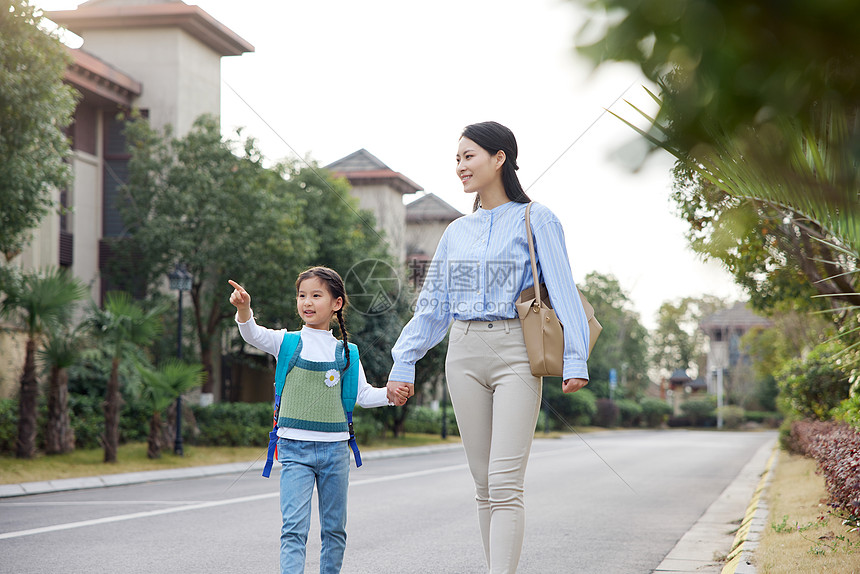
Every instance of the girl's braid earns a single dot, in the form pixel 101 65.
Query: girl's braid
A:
pixel 344 334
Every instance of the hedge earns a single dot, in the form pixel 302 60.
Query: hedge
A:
pixel 835 446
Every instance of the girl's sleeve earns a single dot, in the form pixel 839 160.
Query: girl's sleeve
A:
pixel 430 321
pixel 368 395
pixel 555 268
pixel 267 340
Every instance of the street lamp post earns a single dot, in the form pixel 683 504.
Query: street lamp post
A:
pixel 180 280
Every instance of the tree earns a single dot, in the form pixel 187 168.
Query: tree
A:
pixel 623 342
pixel 121 326
pixel 677 342
pixel 737 62
pixel 160 388
pixel 793 335
pixel 39 301
pixel 35 108
pixel 62 350
pixel 192 200
pixel 762 105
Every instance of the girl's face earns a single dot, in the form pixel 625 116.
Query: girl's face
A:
pixel 476 168
pixel 315 304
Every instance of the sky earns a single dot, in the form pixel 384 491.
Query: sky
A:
pixel 402 80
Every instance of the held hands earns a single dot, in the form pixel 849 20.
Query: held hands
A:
pixel 240 299
pixel 573 385
pixel 399 392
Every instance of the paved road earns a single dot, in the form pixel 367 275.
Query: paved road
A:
pixel 606 503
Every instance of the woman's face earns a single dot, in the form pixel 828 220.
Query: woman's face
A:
pixel 476 168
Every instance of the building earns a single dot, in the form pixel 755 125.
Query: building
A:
pixel 426 220
pixel 381 190
pixel 160 56
pixel 725 352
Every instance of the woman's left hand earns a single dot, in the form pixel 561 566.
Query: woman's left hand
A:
pixel 573 385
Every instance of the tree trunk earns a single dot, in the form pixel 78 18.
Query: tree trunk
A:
pixel 25 446
pixel 59 436
pixel 111 407
pixel 153 449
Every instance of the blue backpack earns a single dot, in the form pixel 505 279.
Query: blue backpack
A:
pixel 288 354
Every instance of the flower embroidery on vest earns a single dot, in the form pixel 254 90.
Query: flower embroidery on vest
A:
pixel 331 377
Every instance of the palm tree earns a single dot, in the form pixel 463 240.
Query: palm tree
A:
pixel 40 301
pixel 62 349
pixel 160 389
pixel 122 325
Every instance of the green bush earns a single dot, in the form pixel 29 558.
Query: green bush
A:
pixel 630 412
pixel 608 413
pixel 428 421
pixel 87 418
pixel 698 411
pixel 232 424
pixel 567 410
pixel 813 386
pixel 771 419
pixel 655 411
pixel 8 425
pixel 733 416
pixel 366 426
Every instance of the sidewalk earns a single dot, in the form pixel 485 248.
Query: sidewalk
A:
pixel 739 509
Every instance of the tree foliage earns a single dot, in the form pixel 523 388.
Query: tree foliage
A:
pixel 738 62
pixel 35 108
pixel 40 302
pixel 192 200
pixel 761 105
pixel 212 204
pixel 677 342
pixel 623 343
pixel 122 326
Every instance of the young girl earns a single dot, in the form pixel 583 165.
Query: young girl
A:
pixel 481 265
pixel 312 426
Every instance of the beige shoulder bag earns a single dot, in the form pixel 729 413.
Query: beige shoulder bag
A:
pixel 542 330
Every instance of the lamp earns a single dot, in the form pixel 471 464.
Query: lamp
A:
pixel 180 280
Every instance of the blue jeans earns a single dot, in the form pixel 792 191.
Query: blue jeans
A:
pixel 306 462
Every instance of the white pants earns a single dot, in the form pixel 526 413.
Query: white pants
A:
pixel 496 400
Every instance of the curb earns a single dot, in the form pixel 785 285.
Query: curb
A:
pixel 740 559
pixel 105 480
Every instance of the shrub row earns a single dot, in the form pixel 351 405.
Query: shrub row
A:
pixel 835 446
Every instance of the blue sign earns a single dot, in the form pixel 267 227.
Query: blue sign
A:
pixel 613 378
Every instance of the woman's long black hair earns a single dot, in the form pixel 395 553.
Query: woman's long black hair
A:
pixel 493 136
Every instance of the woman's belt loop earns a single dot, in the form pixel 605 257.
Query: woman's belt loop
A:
pixel 466 330
pixel 507 326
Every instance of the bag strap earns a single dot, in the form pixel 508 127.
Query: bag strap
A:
pixel 288 354
pixel 532 254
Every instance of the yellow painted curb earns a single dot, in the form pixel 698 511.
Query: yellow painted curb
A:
pixel 734 557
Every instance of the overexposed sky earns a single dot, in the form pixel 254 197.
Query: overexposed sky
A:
pixel 402 79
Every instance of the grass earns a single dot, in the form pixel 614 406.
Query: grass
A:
pixel 132 458
pixel 802 536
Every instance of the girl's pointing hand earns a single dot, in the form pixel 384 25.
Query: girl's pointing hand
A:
pixel 240 298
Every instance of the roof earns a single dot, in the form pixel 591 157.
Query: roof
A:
pixel 679 376
pixel 738 315
pixel 431 207
pixel 100 81
pixel 363 168
pixel 127 14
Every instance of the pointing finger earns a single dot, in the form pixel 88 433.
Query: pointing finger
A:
pixel 235 285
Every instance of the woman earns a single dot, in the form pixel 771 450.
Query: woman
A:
pixel 480 267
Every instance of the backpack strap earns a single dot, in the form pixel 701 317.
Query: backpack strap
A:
pixel 349 390
pixel 288 354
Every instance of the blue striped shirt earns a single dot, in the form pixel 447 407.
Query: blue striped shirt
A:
pixel 480 267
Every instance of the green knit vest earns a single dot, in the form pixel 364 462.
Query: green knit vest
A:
pixel 308 403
